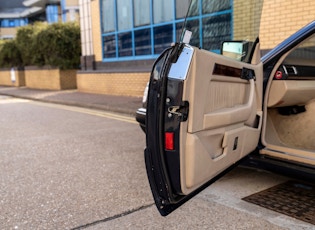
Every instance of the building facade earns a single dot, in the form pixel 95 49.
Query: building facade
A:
pixel 16 13
pixel 122 38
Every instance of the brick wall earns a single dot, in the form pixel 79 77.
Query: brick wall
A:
pixel 53 79
pixel 68 79
pixel 7 32
pixel 281 18
pixel 5 78
pixel 246 19
pixel 126 84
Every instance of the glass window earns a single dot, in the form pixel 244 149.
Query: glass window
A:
pixel 181 8
pixel 163 37
pixel 143 42
pixel 109 44
pixel 215 30
pixel 23 22
pixel 5 23
pixel 52 13
pixel 108 15
pixel 11 23
pixel 146 27
pixel 162 11
pixel 211 6
pixel 141 12
pixel 124 14
pixel 304 52
pixel 125 44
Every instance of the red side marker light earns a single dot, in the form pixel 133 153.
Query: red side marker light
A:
pixel 169 141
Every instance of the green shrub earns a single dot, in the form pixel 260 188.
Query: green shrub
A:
pixel 2 42
pixel 10 55
pixel 26 42
pixel 41 44
pixel 59 45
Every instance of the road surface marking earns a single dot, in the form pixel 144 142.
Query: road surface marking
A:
pixel 94 112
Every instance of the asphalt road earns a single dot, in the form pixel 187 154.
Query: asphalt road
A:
pixel 64 167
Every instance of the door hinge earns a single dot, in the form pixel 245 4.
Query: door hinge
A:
pixel 248 74
pixel 179 110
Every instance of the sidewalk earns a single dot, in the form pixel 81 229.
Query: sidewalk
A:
pixel 119 104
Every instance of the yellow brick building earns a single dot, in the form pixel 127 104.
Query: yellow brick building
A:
pixel 121 38
pixel 281 18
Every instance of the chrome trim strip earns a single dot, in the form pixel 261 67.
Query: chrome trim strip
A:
pixel 179 70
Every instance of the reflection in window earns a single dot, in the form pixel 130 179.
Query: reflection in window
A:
pixel 13 22
pixel 179 29
pixel 146 27
pixel 124 45
pixel 194 9
pixel 52 13
pixel 216 29
pixel 193 26
pixel 109 43
pixel 141 17
pixel 181 8
pixel 108 15
pixel 124 14
pixel 143 42
pixel 210 6
pixel 305 51
pixel 163 37
pixel 163 10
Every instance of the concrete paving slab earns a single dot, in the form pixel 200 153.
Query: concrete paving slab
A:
pixel 218 207
pixel 197 214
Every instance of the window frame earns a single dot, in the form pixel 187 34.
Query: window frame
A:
pixel 175 23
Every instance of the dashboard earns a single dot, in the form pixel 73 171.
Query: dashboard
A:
pixel 292 85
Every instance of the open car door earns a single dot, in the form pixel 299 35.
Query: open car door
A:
pixel 204 114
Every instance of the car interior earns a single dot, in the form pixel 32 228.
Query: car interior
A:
pixel 289 127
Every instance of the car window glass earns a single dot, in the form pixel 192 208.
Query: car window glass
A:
pixel 209 23
pixel 304 54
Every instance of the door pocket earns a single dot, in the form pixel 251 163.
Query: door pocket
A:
pixel 228 116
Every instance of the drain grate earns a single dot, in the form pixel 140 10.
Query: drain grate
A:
pixel 292 198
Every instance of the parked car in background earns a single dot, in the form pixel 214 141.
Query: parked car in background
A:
pixel 205 112
pixel 141 112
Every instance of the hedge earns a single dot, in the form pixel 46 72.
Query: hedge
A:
pixel 57 45
pixel 10 55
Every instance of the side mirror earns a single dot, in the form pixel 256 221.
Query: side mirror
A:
pixel 239 50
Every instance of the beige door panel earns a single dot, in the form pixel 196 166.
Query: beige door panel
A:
pixel 202 161
pixel 221 104
pixel 232 115
pixel 208 93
